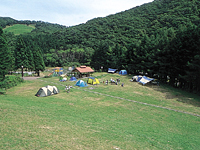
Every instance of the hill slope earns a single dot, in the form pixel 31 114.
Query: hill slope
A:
pixel 125 27
pixel 161 37
pixel 133 24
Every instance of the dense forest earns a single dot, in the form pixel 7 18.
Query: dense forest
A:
pixel 159 38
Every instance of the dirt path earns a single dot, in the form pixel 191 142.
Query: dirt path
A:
pixel 30 78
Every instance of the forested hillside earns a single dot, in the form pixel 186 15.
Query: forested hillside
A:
pixel 161 38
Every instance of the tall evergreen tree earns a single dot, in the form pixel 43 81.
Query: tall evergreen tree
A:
pixel 21 58
pixel 190 61
pixel 119 57
pixel 131 58
pixel 102 56
pixel 38 60
pixel 31 64
pixel 5 57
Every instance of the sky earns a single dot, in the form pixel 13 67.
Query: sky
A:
pixel 64 12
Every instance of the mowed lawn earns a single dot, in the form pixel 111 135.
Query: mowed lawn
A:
pixel 19 29
pixel 83 119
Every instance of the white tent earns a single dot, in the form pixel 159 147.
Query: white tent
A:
pixel 136 78
pixel 47 91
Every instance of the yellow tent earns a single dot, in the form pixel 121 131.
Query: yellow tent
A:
pixel 56 69
pixel 92 80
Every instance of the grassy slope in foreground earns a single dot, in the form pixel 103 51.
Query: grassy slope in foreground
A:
pixel 85 120
pixel 19 29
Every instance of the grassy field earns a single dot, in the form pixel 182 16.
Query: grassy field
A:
pixel 83 119
pixel 19 29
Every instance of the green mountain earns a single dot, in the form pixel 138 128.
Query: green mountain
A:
pixel 132 25
pixel 125 27
pixel 148 38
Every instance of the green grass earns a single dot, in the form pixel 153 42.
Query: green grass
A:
pixel 85 120
pixel 19 29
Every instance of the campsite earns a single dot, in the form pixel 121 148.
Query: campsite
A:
pixel 105 117
pixel 124 81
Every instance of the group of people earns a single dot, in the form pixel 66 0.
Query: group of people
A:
pixel 113 81
pixel 67 88
pixel 116 82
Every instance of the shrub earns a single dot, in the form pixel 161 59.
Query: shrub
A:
pixel 47 76
pixel 10 81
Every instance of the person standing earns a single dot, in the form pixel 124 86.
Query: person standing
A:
pixel 66 88
pixel 122 85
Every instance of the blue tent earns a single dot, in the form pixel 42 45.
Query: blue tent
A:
pixel 72 79
pixel 123 72
pixel 145 80
pixel 58 70
pixel 81 83
pixel 110 70
pixel 61 71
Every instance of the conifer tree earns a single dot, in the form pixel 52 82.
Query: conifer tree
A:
pixel 21 58
pixel 29 53
pixel 5 57
pixel 38 60
pixel 102 56
pixel 131 58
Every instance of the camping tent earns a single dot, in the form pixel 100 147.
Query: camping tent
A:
pixel 137 78
pixel 145 80
pixel 71 68
pixel 92 80
pixel 47 91
pixel 110 70
pixel 58 70
pixel 123 72
pixel 81 83
pixel 72 79
pixel 63 79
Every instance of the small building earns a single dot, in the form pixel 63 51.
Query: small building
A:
pixel 83 71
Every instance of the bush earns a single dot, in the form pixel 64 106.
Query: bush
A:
pixel 47 76
pixel 10 81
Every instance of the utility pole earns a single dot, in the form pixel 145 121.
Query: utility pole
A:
pixel 22 72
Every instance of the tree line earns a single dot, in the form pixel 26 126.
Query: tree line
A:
pixel 24 53
pixel 159 38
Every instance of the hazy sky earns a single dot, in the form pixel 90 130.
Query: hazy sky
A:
pixel 64 12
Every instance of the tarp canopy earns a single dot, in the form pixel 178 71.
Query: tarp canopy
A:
pixel 110 70
pixel 47 91
pixel 81 83
pixel 63 75
pixel 72 79
pixel 92 80
pixel 123 72
pixel 145 80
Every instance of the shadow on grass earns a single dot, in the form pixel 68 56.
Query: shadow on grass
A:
pixel 178 94
pixel 174 93
pixel 169 92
